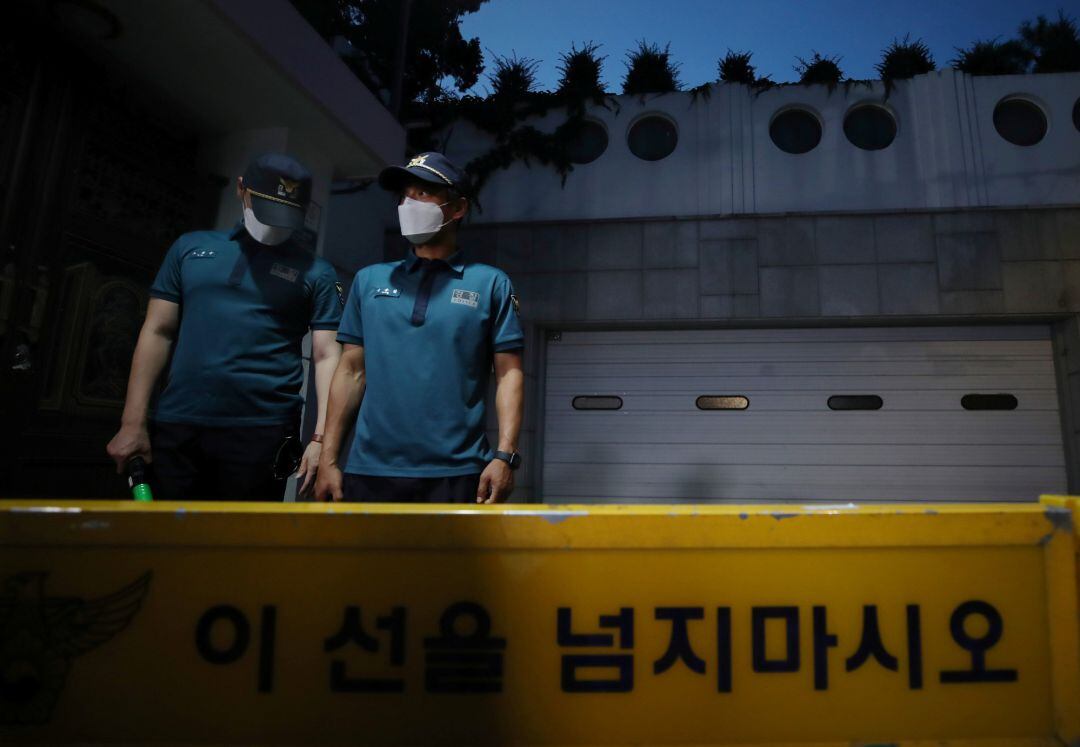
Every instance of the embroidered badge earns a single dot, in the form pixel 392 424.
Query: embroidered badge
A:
pixel 285 273
pixel 465 298
pixel 202 254
pixel 388 292
pixel 340 292
pixel 516 303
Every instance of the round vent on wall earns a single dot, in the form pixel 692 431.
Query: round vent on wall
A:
pixel 795 131
pixel 870 127
pixel 588 143
pixel 1020 121
pixel 652 137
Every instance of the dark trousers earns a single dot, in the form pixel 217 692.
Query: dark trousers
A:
pixel 368 489
pixel 194 462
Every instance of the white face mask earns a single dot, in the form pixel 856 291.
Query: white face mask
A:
pixel 264 234
pixel 420 221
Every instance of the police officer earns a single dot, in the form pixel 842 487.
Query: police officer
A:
pixel 232 311
pixel 421 337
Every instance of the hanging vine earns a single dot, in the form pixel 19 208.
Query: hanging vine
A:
pixel 514 101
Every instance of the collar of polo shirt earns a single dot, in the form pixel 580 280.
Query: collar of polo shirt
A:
pixel 455 260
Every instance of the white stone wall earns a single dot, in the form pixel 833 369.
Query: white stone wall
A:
pixel 946 155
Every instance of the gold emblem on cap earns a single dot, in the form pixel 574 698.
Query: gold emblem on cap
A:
pixel 287 187
pixel 418 161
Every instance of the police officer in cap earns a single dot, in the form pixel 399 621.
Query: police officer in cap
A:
pixel 421 338
pixel 227 316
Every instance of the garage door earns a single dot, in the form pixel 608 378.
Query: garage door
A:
pixel 954 413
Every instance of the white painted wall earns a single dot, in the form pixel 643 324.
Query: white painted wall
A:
pixel 947 154
pixel 1047 173
pixel 355 225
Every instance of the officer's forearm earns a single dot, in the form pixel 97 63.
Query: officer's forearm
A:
pixel 151 355
pixel 324 376
pixel 509 401
pixel 346 393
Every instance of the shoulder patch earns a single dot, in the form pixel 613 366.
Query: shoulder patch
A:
pixel 340 292
pixel 516 303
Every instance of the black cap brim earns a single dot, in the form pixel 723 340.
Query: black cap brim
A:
pixel 394 178
pixel 277 213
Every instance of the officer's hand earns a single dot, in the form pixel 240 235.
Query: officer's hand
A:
pixel 129 442
pixel 309 466
pixel 496 482
pixel 328 483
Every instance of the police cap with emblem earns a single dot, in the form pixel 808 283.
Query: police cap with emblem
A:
pixel 432 167
pixel 280 190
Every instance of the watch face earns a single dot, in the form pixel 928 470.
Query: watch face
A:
pixel 515 460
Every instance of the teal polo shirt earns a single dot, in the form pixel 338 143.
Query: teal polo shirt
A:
pixel 244 310
pixel 430 329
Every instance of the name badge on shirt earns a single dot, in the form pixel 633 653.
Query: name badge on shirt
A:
pixel 465 298
pixel 387 292
pixel 285 273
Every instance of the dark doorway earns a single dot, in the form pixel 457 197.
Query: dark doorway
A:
pixel 96 181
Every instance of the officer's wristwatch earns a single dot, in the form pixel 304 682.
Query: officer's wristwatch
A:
pixel 512 459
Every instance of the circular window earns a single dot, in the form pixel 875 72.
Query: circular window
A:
pixel 795 131
pixel 652 137
pixel 1076 114
pixel 588 142
pixel 870 127
pixel 1020 121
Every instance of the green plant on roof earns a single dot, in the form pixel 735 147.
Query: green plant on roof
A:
pixel 904 59
pixel 824 70
pixel 1054 45
pixel 735 67
pixel 514 77
pixel 992 57
pixel 649 69
pixel 579 71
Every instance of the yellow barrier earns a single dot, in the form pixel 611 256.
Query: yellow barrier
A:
pixel 162 623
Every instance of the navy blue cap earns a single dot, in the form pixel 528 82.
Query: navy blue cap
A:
pixel 280 189
pixel 430 167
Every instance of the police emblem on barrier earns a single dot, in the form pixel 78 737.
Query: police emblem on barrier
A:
pixel 39 636
pixel 287 188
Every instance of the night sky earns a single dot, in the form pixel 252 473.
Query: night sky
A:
pixel 776 31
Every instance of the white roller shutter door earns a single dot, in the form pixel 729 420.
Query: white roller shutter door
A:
pixel 922 444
